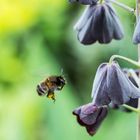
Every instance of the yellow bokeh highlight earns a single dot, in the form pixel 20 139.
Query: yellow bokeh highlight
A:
pixel 15 15
pixel 18 14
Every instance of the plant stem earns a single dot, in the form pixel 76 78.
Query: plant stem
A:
pixel 135 76
pixel 101 1
pixel 131 108
pixel 124 58
pixel 131 10
pixel 138 119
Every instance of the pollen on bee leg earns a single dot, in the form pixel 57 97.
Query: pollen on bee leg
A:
pixel 51 96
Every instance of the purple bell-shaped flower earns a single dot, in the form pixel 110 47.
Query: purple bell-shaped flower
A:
pixel 99 23
pixel 112 85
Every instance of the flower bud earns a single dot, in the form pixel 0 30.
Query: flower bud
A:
pixel 90 116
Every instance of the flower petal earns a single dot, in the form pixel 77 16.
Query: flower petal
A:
pixel 85 2
pixel 90 116
pixel 99 23
pixel 93 128
pixel 136 35
pixel 99 90
pixel 120 88
pixel 87 113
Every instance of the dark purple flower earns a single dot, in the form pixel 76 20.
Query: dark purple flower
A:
pixel 85 2
pixel 90 116
pixel 136 35
pixel 112 85
pixel 130 73
pixel 99 23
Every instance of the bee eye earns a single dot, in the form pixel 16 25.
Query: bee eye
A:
pixel 62 81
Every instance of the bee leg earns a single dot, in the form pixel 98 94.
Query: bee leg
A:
pixel 54 100
pixel 51 95
pixel 60 88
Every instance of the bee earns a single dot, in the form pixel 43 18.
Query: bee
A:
pixel 50 85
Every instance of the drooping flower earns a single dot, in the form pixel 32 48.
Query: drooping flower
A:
pixel 85 2
pixel 90 116
pixel 136 35
pixel 131 74
pixel 112 85
pixel 99 23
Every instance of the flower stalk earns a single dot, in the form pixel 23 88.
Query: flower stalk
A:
pixel 125 7
pixel 101 1
pixel 131 108
pixel 138 119
pixel 124 58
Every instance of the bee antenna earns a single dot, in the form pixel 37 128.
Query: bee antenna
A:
pixel 62 71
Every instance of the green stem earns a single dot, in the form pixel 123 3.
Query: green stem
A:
pixel 131 108
pixel 138 117
pixel 124 58
pixel 101 1
pixel 125 7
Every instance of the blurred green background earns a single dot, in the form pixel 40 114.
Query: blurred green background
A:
pixel 37 40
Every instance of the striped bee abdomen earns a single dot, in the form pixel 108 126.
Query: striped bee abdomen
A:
pixel 42 89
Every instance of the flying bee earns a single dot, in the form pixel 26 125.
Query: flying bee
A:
pixel 50 85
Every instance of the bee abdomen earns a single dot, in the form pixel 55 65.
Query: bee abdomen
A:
pixel 40 90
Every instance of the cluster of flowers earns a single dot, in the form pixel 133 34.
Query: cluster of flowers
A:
pixel 99 22
pixel 111 86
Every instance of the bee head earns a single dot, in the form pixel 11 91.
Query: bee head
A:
pixel 61 80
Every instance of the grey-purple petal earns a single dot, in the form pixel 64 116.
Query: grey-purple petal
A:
pixel 99 23
pixel 116 27
pixel 93 128
pixel 85 2
pixel 130 73
pixel 99 89
pixel 116 83
pixel 90 116
pixel 136 35
pixel 87 113
pixel 82 26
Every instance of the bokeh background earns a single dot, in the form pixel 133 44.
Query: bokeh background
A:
pixel 37 40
